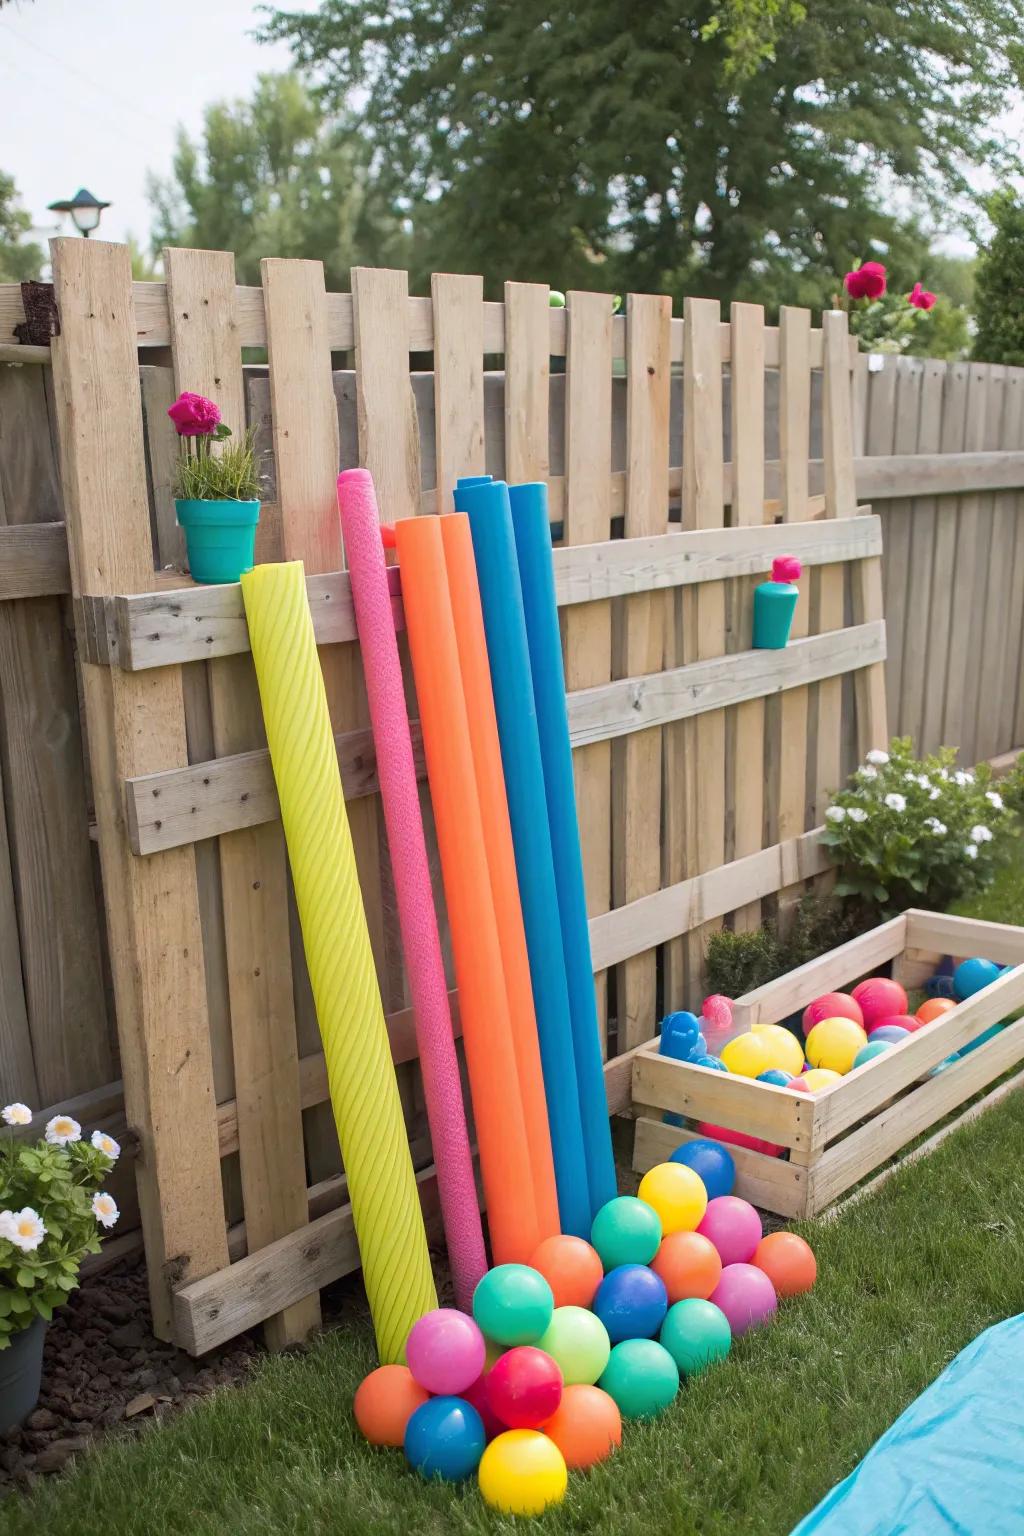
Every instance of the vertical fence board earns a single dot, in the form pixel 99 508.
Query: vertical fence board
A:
pixel 958 715
pixel 989 632
pixel 389 440
pixel 900 577
pixel 912 681
pixel 840 501
pixel 748 725
pixel 636 758
pixel 527 367
pixel 588 626
pixel 17 1069
pixel 954 421
pixel 1010 726
pixel 253 865
pixel 136 725
pixel 458 380
pixel 703 630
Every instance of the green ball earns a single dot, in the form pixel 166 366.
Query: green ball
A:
pixel 626 1231
pixel 578 1342
pixel 696 1334
pixel 642 1377
pixel 513 1304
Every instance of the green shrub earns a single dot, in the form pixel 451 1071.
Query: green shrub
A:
pixel 999 285
pixel 738 962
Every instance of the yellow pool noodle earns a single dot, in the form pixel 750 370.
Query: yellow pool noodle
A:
pixel 360 1072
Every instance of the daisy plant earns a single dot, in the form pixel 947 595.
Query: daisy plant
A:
pixel 911 832
pixel 52 1210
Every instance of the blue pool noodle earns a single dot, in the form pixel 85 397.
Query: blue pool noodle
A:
pixel 532 531
pixel 508 653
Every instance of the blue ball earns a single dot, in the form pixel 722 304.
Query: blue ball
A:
pixel 631 1301
pixel 776 1076
pixel 714 1062
pixel 679 1034
pixel 888 1034
pixel 939 986
pixel 874 1048
pixel 971 975
pixel 445 1438
pixel 711 1161
pixel 671 1118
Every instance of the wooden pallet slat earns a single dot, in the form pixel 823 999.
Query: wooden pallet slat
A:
pixel 527 382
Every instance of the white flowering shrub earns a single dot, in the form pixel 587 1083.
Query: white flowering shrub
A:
pixel 907 832
pixel 51 1212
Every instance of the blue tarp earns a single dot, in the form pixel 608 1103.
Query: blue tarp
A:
pixel 953 1463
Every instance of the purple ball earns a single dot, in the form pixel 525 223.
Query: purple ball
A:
pixel 445 1352
pixel 746 1296
pixel 892 1034
pixel 733 1226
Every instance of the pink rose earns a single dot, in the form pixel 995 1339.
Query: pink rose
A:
pixel 867 282
pixel 786 568
pixel 194 415
pixel 920 297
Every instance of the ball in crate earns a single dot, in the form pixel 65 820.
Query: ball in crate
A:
pixel 971 976
pixel 869 1052
pixel 879 998
pixel 933 1008
pixel 784 1048
pixel 710 1162
pixel 834 1043
pixel 748 1055
pixel 776 1077
pixel 888 1034
pixel 832 1005
pixel 908 1021
pixel 821 1077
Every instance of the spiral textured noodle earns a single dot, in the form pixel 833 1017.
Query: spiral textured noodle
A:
pixel 360 1072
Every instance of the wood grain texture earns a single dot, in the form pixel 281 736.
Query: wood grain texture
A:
pixel 253 865
pixel 958 713
pixel 386 411
pixel 33 559
pixel 922 513
pixel 588 628
pixel 840 501
pixel 954 422
pixel 135 725
pixel 458 380
pixel 636 759
pixel 527 366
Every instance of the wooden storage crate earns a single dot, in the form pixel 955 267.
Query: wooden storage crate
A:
pixel 838 1136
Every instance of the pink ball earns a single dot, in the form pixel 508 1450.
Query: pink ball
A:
pixel 524 1387
pixel 445 1352
pixel 739 1139
pixel 733 1226
pixel 905 1021
pixel 879 998
pixel 832 1005
pixel 746 1296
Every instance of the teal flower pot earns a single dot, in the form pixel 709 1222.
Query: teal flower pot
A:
pixel 220 536
pixel 774 606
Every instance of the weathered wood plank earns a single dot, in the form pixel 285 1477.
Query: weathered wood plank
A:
pixel 33 559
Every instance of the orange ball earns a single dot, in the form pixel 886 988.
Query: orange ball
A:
pixel 787 1261
pixel 385 1402
pixel 689 1264
pixel 586 1427
pixel 572 1269
pixel 934 1008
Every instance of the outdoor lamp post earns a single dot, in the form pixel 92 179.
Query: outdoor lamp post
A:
pixel 85 210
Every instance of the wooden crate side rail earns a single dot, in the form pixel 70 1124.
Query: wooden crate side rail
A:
pixel 964 936
pixel 724 1099
pixel 768 1182
pixel 778 999
pixel 158 629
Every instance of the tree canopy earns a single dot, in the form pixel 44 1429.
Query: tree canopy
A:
pixel 20 259
pixel 999 285
pixel 271 177
pixel 730 147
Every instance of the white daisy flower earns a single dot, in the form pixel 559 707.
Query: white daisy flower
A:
pixel 991 796
pixel 924 781
pixel 935 825
pixel 857 813
pixel 868 772
pixel 835 813
pixel 910 777
pixel 896 802
pixel 106 1144
pixel 981 834
pixel 23 1228
pixel 17 1114
pixel 935 793
pixel 971 850
pixel 962 778
pixel 104 1208
pixel 61 1130
pixel 944 774
pixel 878 757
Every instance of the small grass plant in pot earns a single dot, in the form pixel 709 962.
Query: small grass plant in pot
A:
pixel 52 1207
pixel 216 491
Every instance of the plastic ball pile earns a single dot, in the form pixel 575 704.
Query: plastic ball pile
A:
pixel 559 1352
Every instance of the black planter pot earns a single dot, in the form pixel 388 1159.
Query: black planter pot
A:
pixel 21 1370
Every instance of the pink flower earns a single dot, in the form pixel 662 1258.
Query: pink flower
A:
pixel 786 568
pixel 194 415
pixel 867 282
pixel 920 297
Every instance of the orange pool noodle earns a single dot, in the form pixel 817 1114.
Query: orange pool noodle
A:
pixel 483 1004
pixel 501 858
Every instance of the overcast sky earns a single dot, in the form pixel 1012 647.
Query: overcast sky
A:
pixel 92 92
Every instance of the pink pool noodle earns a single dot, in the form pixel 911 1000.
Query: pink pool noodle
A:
pixel 371 597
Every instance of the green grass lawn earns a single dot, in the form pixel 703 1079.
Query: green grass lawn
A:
pixel 907 1277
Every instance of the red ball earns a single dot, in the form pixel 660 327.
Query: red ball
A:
pixel 740 1139
pixel 525 1387
pixel 479 1395
pixel 908 1021
pixel 832 1005
pixel 798 1084
pixel 879 998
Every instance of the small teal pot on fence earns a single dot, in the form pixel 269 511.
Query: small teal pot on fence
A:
pixel 21 1373
pixel 220 536
pixel 774 605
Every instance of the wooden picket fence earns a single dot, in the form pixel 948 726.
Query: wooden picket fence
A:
pixel 703 768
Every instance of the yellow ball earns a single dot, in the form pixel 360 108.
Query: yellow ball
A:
pixel 677 1194
pixel 821 1077
pixel 522 1472
pixel 748 1055
pixel 834 1043
pixel 786 1051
